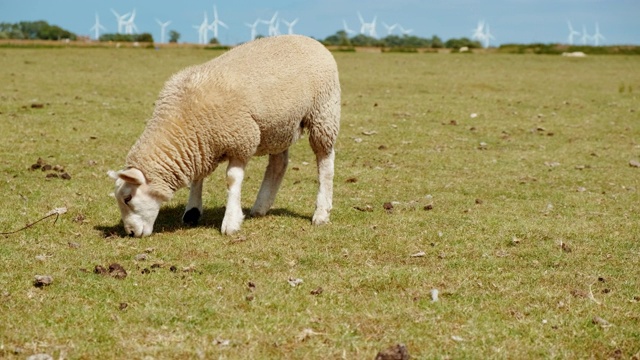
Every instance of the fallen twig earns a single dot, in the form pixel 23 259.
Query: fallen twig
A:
pixel 57 212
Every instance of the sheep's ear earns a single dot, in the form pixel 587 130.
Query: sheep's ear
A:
pixel 132 176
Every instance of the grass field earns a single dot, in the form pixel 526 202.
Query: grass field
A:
pixel 510 189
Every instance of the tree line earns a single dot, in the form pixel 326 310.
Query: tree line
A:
pixel 342 39
pixel 34 30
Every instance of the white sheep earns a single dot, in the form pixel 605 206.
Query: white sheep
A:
pixel 255 99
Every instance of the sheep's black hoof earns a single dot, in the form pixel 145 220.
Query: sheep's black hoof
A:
pixel 191 217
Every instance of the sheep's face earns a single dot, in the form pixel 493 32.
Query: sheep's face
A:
pixel 138 206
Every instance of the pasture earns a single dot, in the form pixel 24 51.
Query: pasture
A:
pixel 505 182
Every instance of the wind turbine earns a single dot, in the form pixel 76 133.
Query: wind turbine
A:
pixel 163 28
pixel 487 36
pixel 129 26
pixel 405 31
pixel 216 22
pixel 254 27
pixel 274 23
pixel 585 37
pixel 478 32
pixel 120 19
pixel 97 27
pixel 290 25
pixel 389 28
pixel 203 29
pixel 572 32
pixel 369 28
pixel 597 36
pixel 346 28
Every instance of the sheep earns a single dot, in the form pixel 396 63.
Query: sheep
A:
pixel 256 99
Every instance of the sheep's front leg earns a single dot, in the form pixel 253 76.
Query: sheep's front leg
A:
pixel 193 210
pixel 271 183
pixel 325 192
pixel 233 214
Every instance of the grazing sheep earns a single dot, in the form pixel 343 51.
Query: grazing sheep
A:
pixel 255 99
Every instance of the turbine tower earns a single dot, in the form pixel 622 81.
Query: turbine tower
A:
pixel 597 36
pixel 214 25
pixel 163 28
pixel 572 33
pixel 97 27
pixel 290 25
pixel 203 30
pixel 120 19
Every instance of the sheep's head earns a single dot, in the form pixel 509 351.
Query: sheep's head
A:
pixel 138 205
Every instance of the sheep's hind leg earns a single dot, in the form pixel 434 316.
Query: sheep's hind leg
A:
pixel 193 210
pixel 271 183
pixel 325 192
pixel 233 214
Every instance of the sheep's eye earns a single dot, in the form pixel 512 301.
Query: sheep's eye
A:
pixel 127 199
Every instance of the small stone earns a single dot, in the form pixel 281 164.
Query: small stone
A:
pixel 295 282
pixel 388 206
pixel 434 295
pixel 418 254
pixel 65 176
pixel 173 268
pixel 142 257
pixel 222 342
pixel 597 320
pixel 634 163
pixel 42 280
pixel 123 305
pixel 428 207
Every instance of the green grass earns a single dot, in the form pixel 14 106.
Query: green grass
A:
pixel 554 169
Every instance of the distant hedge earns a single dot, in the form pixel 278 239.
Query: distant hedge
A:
pixel 144 37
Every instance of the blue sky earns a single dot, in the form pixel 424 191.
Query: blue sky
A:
pixel 520 21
